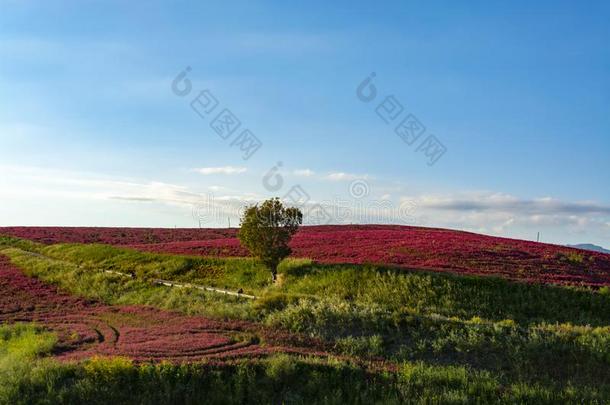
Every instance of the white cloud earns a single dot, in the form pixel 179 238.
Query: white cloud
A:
pixel 342 176
pixel 508 215
pixel 95 199
pixel 499 202
pixel 304 172
pixel 220 170
pixel 80 198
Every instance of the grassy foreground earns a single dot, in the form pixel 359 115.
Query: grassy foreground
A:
pixel 26 378
pixel 455 339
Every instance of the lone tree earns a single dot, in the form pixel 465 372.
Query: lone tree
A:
pixel 266 230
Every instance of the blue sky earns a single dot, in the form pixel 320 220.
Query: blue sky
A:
pixel 518 93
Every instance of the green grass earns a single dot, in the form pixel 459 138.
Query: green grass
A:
pixel 27 245
pixel 114 289
pixel 521 342
pixel 21 346
pixel 233 272
pixel 449 295
pixel 24 341
pixel 26 378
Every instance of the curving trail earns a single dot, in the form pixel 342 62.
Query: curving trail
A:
pixel 87 328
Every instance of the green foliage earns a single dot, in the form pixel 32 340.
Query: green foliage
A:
pixel 9 241
pixel 449 295
pixel 279 379
pixel 574 258
pixel 274 302
pixel 92 283
pixel 361 346
pixel 266 230
pixel 25 341
pixel 233 273
pixel 20 345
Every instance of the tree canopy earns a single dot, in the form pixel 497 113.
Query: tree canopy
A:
pixel 266 230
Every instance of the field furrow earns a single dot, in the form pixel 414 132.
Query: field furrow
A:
pixel 86 328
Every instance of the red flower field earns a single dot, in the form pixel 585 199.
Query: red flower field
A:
pixel 409 247
pixel 87 328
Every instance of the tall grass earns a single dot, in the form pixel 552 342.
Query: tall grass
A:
pixel 450 295
pixel 20 346
pixel 278 379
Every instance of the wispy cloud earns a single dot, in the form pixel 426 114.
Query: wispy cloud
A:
pixel 22 188
pixel 342 176
pixel 508 215
pixel 508 203
pixel 220 170
pixel 134 199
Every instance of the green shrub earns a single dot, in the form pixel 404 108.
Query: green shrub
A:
pixel 273 302
pixel 361 346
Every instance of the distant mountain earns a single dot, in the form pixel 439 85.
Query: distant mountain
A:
pixel 590 246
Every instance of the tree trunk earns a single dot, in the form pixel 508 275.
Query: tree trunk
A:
pixel 274 275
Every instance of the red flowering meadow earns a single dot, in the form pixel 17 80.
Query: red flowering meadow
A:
pixel 409 247
pixel 114 236
pixel 87 328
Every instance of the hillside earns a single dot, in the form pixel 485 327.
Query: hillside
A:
pixel 591 247
pixel 329 333
pixel 409 247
